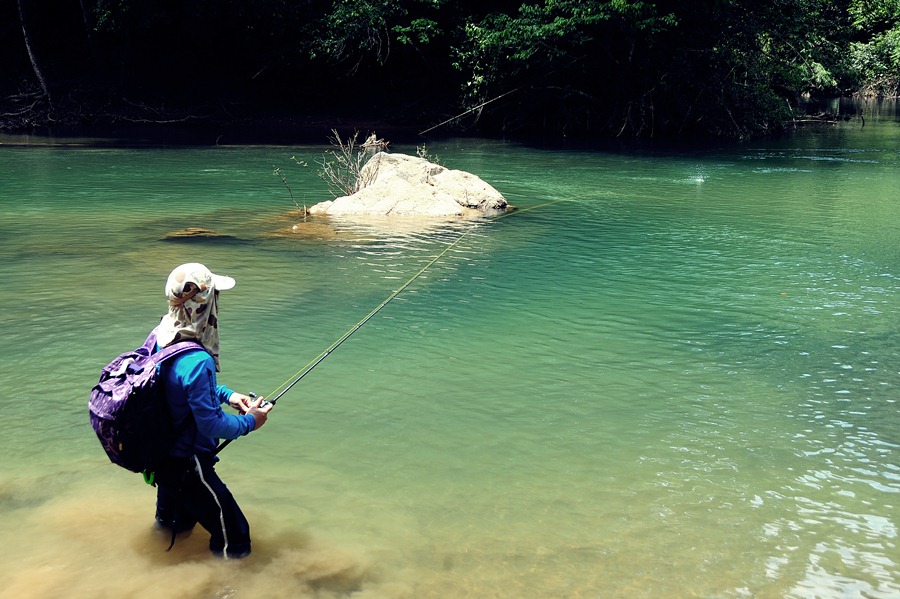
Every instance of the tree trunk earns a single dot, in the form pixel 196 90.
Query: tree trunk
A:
pixel 88 20
pixel 30 47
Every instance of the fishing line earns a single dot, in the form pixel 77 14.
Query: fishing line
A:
pixel 298 376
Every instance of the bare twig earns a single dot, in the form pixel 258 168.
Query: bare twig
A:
pixel 341 168
pixel 277 172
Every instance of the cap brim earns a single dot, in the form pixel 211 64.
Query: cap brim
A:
pixel 221 282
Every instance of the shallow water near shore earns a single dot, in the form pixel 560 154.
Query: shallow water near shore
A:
pixel 669 374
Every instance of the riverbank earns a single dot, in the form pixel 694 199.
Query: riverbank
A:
pixel 29 120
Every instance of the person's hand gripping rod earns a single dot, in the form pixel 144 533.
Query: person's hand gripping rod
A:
pixel 262 404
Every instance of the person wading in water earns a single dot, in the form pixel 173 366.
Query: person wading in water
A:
pixel 188 488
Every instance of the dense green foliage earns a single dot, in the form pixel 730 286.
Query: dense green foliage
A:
pixel 575 67
pixel 875 49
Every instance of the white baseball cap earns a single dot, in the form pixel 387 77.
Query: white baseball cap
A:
pixel 193 278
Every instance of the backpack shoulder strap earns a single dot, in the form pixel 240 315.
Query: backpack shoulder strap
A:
pixel 149 344
pixel 175 350
pixel 171 350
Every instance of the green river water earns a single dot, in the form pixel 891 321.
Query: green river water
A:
pixel 679 380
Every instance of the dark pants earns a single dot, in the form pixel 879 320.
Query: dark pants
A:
pixel 189 491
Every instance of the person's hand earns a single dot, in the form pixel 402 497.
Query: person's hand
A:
pixel 240 402
pixel 259 408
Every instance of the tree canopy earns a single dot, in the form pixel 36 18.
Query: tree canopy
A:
pixel 729 68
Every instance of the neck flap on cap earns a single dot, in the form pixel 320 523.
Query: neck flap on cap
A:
pixel 193 307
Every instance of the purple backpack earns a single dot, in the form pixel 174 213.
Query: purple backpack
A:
pixel 128 407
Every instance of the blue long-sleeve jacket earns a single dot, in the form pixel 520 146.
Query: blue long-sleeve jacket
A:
pixel 195 400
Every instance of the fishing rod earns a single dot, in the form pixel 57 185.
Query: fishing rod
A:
pixel 494 99
pixel 473 109
pixel 298 376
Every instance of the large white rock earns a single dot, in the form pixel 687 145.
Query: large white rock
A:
pixel 398 184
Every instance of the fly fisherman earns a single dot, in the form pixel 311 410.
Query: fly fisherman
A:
pixel 188 489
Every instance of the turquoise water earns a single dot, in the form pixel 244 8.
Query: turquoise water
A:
pixel 667 375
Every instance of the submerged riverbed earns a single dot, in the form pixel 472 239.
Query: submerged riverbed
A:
pixel 670 374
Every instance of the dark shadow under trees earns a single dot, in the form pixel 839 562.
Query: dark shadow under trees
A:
pixel 575 68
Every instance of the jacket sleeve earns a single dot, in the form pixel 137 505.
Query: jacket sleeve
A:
pixel 223 393
pixel 205 398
